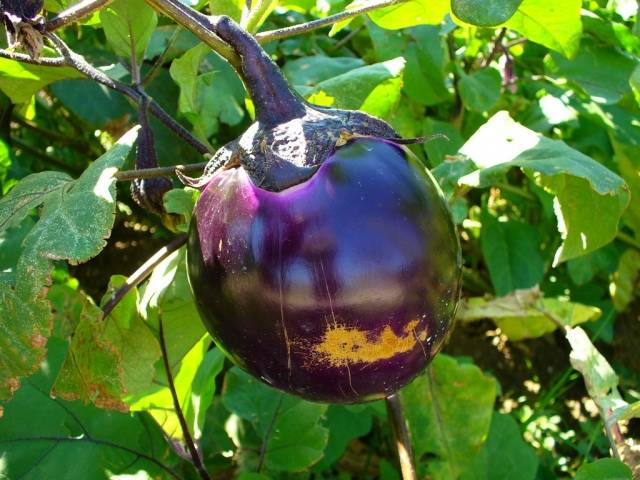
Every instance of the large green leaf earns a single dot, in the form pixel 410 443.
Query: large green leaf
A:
pixel 480 90
pixel 555 25
pixel 601 71
pixel 291 437
pixel 46 438
pixel 20 81
pixel 449 410
pixel 403 15
pixel 425 71
pixel 374 89
pixel 583 188
pixel 210 91
pixel 512 254
pixel 526 314
pixel 108 358
pixel 505 455
pixel 604 469
pixel 128 25
pixel 310 71
pixel 84 209
pixel 195 382
pixel 484 14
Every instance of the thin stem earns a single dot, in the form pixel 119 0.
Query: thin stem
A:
pixel 322 22
pixel 191 446
pixel 75 12
pixel 141 274
pixel 497 46
pixel 629 240
pixel 347 38
pixel 162 58
pixel 44 61
pixel 79 63
pixel 401 435
pixel 198 24
pixel 128 175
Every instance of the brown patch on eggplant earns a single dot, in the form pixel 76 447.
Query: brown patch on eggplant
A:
pixel 290 138
pixel 148 192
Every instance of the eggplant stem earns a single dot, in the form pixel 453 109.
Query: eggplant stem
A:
pixel 401 436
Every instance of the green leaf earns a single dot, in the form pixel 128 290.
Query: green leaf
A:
pixel 624 282
pixel 449 410
pixel 505 455
pixel 604 469
pixel 167 297
pixel 292 437
pixel 437 149
pixel 374 89
pixel 109 358
pixel 525 314
pixel 344 425
pixel 50 438
pixel 480 91
pixel 555 25
pixel 583 187
pixel 425 71
pixel 403 15
pixel 20 81
pixel 31 192
pixel 195 384
pixel 634 82
pixel 84 209
pixel 310 71
pixel 210 97
pixel 601 71
pixel 231 8
pixel 181 202
pixel 512 254
pixel 484 14
pixel 128 25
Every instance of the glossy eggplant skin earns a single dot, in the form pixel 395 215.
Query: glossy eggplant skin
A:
pixel 340 289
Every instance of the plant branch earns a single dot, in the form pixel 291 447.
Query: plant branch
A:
pixel 629 240
pixel 141 274
pixel 128 175
pixel 401 435
pixel 199 24
pixel 75 12
pixel 96 441
pixel 322 22
pixel 79 63
pixel 191 446
pixel 44 61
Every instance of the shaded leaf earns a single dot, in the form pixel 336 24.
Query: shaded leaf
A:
pixel 312 70
pixel 480 90
pixel 290 431
pixel 505 455
pixel 624 282
pixel 604 469
pixel 601 71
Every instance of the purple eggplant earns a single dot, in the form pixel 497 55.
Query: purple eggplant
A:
pixel 321 253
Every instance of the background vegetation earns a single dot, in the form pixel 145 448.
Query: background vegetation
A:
pixel 539 101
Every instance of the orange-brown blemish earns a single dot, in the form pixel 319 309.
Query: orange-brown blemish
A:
pixel 343 345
